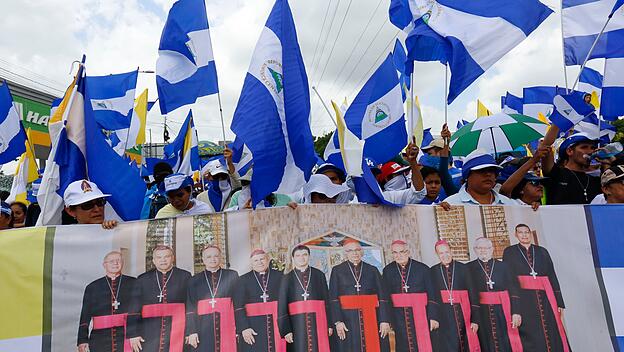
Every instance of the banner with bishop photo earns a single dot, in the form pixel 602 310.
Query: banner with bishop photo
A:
pixel 418 278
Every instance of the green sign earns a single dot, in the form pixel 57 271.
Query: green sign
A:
pixel 35 116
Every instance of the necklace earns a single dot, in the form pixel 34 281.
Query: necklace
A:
pixel 161 289
pixel 490 283
pixel 531 265
pixel 581 184
pixel 305 293
pixel 357 279
pixel 405 286
pixel 213 294
pixel 115 303
pixel 264 296
pixel 449 290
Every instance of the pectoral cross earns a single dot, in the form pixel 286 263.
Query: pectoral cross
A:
pixel 212 302
pixel 357 286
pixel 115 305
pixel 451 300
pixel 406 287
pixel 264 297
pixel 534 274
pixel 160 297
pixel 305 296
pixel 490 284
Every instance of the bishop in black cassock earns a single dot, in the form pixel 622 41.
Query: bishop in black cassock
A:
pixel 214 282
pixel 357 278
pixel 410 276
pixel 260 285
pixel 305 285
pixel 493 282
pixel 541 329
pixel 165 284
pixel 107 296
pixel 450 278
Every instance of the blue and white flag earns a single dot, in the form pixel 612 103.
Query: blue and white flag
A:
pixel 12 135
pixel 590 81
pixel 538 100
pixel 596 128
pixel 183 152
pixel 569 110
pixel 427 137
pixel 473 35
pixel 611 102
pixel 377 116
pixel 72 159
pixel 399 57
pixel 271 117
pixel 367 189
pixel 511 104
pixel 461 123
pixel 112 99
pixel 185 69
pixel 582 22
pixel 241 156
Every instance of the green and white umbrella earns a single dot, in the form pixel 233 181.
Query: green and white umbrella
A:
pixel 497 133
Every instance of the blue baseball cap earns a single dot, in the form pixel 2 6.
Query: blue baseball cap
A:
pixel 5 208
pixel 331 167
pixel 573 140
pixel 479 159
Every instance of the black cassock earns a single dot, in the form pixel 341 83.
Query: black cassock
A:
pixel 156 331
pixel 248 291
pixel 208 326
pixel 493 334
pixel 418 281
pixel 303 326
pixel 538 330
pixel 98 301
pixel 342 283
pixel 451 335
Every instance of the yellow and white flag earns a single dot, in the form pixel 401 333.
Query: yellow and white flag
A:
pixel 351 147
pixel 482 110
pixel 414 120
pixel 26 172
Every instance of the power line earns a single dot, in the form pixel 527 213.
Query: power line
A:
pixel 375 63
pixel 33 73
pixel 357 42
pixel 329 58
pixel 362 56
pixel 318 40
pixel 31 80
pixel 331 25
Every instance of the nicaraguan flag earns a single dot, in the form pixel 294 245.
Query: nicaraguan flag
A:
pixel 112 99
pixel 27 171
pixel 427 137
pixel 612 100
pixel 183 152
pixel 569 110
pixel 185 69
pixel 511 104
pixel 590 82
pixel 471 35
pixel 271 117
pixel 538 100
pixel 596 128
pixel 241 156
pixel 12 135
pixel 582 22
pixel 377 116
pixel 399 57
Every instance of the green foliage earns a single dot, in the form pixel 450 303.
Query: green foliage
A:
pixel 321 142
pixel 619 135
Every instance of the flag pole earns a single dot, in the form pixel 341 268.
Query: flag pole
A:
pixel 325 106
pixel 412 106
pixel 591 50
pixel 565 68
pixel 221 114
pixel 446 88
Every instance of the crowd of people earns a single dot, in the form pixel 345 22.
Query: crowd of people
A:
pixel 572 173
pixel 485 304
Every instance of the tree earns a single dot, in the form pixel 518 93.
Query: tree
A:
pixel 320 143
pixel 619 134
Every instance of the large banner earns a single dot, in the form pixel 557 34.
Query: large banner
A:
pixel 46 272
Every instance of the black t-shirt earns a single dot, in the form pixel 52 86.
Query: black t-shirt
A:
pixel 565 186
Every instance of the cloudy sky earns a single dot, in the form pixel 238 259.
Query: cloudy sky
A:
pixel 342 41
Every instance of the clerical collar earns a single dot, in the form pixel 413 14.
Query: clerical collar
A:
pixel 355 265
pixel 449 264
pixel 262 272
pixel 304 270
pixel 525 248
pixel 166 272
pixel 213 272
pixel 485 261
pixel 114 277
pixel 403 266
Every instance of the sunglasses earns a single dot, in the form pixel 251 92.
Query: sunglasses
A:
pixel 100 202
pixel 535 183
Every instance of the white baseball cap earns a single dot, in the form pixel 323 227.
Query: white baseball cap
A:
pixel 82 191
pixel 214 167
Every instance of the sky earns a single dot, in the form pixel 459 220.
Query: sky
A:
pixel 342 41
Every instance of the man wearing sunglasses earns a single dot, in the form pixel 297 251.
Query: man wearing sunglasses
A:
pixel 178 188
pixel 85 202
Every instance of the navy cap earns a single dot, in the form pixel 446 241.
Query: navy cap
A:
pixel 573 140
